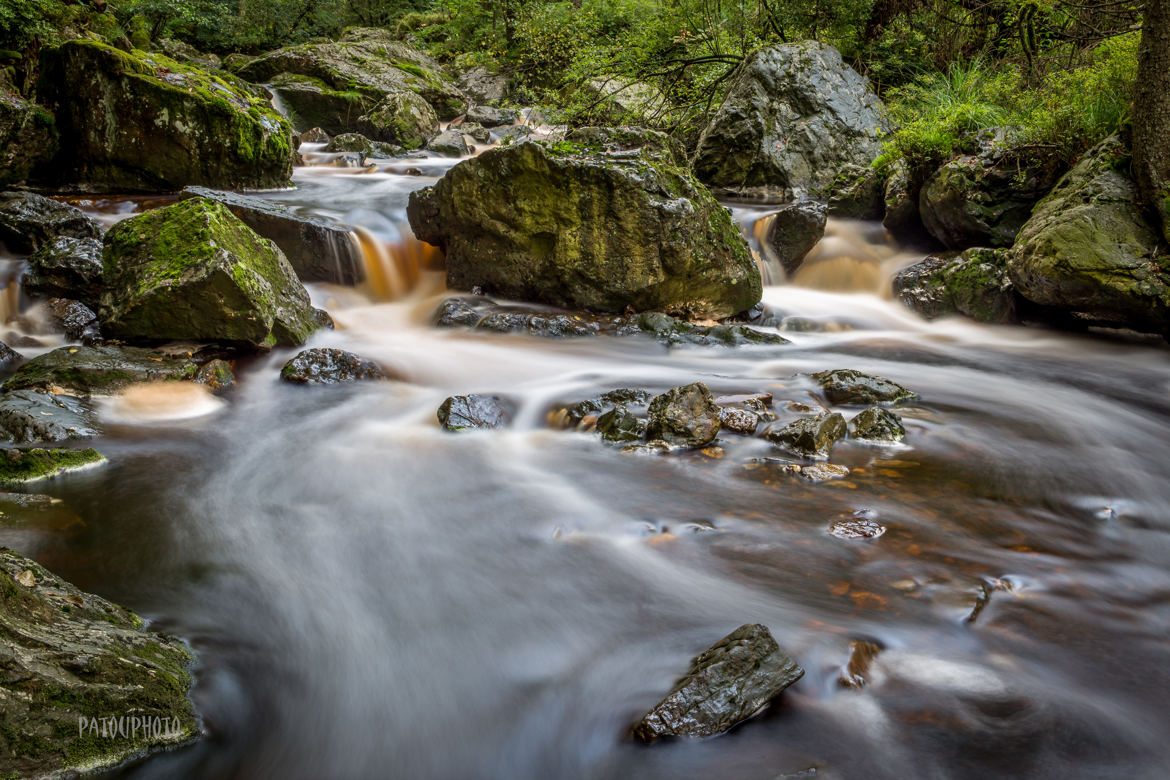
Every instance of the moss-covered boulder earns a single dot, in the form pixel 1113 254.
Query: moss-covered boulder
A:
pixel 143 122
pixel 98 370
pixel 403 118
pixel 71 659
pixel 562 224
pixel 18 466
pixel 794 116
pixel 195 271
pixel 974 283
pixel 1089 250
pixel 28 136
pixel 858 192
pixel 878 425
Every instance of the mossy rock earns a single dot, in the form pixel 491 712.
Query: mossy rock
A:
pixel 403 118
pixel 143 122
pixel 974 283
pixel 70 658
pixel 18 467
pixel 194 271
pixel 98 370
pixel 553 222
pixel 28 138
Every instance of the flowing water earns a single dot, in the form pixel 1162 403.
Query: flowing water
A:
pixel 371 597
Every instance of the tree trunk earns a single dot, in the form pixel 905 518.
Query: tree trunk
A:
pixel 1151 112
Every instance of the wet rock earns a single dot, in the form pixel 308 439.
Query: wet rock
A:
pixel 684 416
pixel 619 425
pixel 143 122
pixel 623 138
pixel 528 222
pixel 449 143
pixel 858 192
pixel 319 251
pixel 98 370
pixel 903 188
pixel 573 416
pixel 28 417
pixel 484 86
pixel 216 374
pixel 21 466
pixel 822 472
pixel 674 332
pixel 457 313
pixel 472 412
pixel 545 325
pixel 809 437
pixel 975 283
pixel 1089 251
pixel 28 221
pixel 859 525
pixel 755 401
pixel 356 142
pixel 329 366
pixel 194 271
pixel 76 320
pixel 794 116
pixel 856 672
pixel 188 54
pixel 27 138
pixel 315 136
pixel 9 357
pixel 739 420
pixel 403 119
pixel 71 657
pixel 794 231
pixel 488 116
pixel 66 268
pixel 727 683
pixel 846 386
pixel 877 424
pixel 477 132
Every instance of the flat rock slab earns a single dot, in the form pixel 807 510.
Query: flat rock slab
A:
pixel 27 416
pixel 98 370
pixel 727 683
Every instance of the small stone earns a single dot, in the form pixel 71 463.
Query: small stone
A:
pixel 809 437
pixel 472 412
pixel 685 416
pixel 327 366
pixel 823 472
pixel 216 374
pixel 619 425
pixel 855 673
pixel 315 136
pixel 739 420
pixel 26 578
pixel 857 526
pixel 846 386
pixel 74 319
pixel 877 424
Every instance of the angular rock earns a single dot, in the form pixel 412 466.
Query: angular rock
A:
pixel 472 412
pixel 476 131
pixel 675 332
pixel 794 116
pixel 143 122
pixel 846 386
pixel 402 118
pixel 315 135
pixel 9 357
pixel 974 283
pixel 66 268
pixel 21 466
pixel 727 683
pixel 794 230
pixel 28 138
pixel 216 374
pixel 71 657
pixel 194 271
pixel 822 472
pixel 326 366
pixel 98 370
pixel 877 424
pixel 1089 251
pixel 73 318
pixel 483 86
pixel 857 192
pixel 356 142
pixel 28 221
pixel 548 222
pixel 488 116
pixel 739 420
pixel 28 417
pixel 449 143
pixel 903 188
pixel 319 251
pixel 619 426
pixel 684 416
pixel 809 437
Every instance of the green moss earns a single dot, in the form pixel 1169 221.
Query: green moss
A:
pixel 22 466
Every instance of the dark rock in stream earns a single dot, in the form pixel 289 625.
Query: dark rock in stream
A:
pixel 28 417
pixel 620 426
pixel 684 416
pixel 809 437
pixel 98 370
pixel 974 283
pixel 9 357
pixel 315 135
pixel 66 268
pixel 589 411
pixel 488 116
pixel 448 143
pixel 846 386
pixel 877 424
pixel 355 142
pixel 28 221
pixel 795 229
pixel 472 412
pixel 741 421
pixel 216 374
pixel 70 658
pixel 76 320
pixel 727 683
pixel 325 366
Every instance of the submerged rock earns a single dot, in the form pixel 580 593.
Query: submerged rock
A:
pixel 20 466
pixel 809 437
pixel 27 138
pixel 216 374
pixel 794 231
pixel 66 268
pixel 684 416
pixel 557 224
pixel 98 370
pixel 974 283
pixel 856 672
pixel 30 417
pixel 143 122
pixel 794 116
pixel 195 271
pixel 846 386
pixel 877 424
pixel 472 412
pixel 70 658
pixel 727 683
pixel 319 251
pixel 28 221
pixel 328 367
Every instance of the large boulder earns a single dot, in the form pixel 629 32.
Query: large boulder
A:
pixel 28 221
pixel 78 673
pixel 27 138
pixel 560 224
pixel 794 230
pixel 974 283
pixel 403 118
pixel 1089 251
pixel 794 116
pixel 144 122
pixel 484 86
pixel 194 271
pixel 98 370
pixel 319 251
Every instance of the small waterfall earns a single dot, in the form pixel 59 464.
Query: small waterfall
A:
pixel 10 300
pixel 393 269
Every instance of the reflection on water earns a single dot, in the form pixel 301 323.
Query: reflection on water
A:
pixel 371 597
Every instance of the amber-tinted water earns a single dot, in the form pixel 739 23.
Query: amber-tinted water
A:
pixel 371 597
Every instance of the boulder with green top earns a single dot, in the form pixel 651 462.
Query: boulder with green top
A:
pixel 974 283
pixel 194 271
pixel 71 658
pixel 98 370
pixel 1089 250
pixel 403 118
pixel 556 223
pixel 808 437
pixel 684 416
pixel 143 122
pixel 28 137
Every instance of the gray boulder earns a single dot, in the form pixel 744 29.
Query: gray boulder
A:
pixel 476 412
pixel 846 386
pixel 484 86
pixel 449 143
pixel 794 116
pixel 487 116
pixel 974 283
pixel 794 231
pixel 66 268
pixel 27 138
pixel 809 437
pixel 29 416
pixel 28 221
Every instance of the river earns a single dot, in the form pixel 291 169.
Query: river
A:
pixel 369 596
